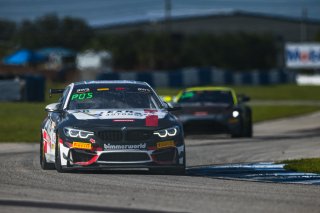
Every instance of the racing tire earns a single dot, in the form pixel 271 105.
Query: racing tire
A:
pixel 43 161
pixel 249 128
pixel 181 170
pixel 246 128
pixel 176 171
pixel 58 158
pixel 239 134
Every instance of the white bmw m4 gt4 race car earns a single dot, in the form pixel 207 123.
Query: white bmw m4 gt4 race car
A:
pixel 111 124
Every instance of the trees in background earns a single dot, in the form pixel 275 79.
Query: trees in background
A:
pixel 50 30
pixel 7 32
pixel 142 50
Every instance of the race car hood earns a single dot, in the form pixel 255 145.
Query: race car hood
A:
pixel 124 117
pixel 116 114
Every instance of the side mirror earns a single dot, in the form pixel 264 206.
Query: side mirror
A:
pixel 55 107
pixel 243 98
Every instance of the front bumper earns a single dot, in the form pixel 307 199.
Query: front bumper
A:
pixel 210 123
pixel 127 158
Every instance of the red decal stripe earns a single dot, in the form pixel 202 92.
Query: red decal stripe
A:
pixel 152 111
pixel 45 146
pixel 152 117
pixel 69 145
pixel 93 160
pixel 151 148
pixel 46 136
pixel 152 120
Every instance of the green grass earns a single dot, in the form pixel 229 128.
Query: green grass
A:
pixel 263 113
pixel 20 122
pixel 303 165
pixel 280 92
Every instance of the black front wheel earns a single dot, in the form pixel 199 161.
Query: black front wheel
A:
pixel 249 128
pixel 179 170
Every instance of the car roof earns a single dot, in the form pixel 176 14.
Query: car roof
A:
pixel 209 88
pixel 111 82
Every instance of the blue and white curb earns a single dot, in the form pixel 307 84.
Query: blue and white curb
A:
pixel 261 172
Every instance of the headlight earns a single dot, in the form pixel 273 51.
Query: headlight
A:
pixel 235 114
pixel 77 133
pixel 170 132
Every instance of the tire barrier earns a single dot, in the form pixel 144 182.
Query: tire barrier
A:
pixel 29 88
pixel 204 76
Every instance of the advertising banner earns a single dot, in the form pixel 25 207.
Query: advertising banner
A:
pixel 302 55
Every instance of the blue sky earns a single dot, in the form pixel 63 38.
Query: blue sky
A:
pixel 99 12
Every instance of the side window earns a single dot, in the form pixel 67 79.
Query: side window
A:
pixel 64 96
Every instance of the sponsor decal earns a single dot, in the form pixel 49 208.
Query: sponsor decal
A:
pixel 143 90
pixel 123 120
pixel 82 96
pixel 92 140
pixel 138 114
pixel 103 89
pixel 120 113
pixel 152 120
pixel 84 90
pixel 81 145
pixel 97 115
pixel 165 144
pixel 120 88
pixel 151 117
pixel 126 146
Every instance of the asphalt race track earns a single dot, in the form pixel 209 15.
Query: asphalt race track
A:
pixel 25 187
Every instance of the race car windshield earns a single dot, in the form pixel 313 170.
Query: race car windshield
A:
pixel 219 97
pixel 113 98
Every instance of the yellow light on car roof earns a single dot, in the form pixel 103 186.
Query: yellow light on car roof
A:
pixel 102 89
